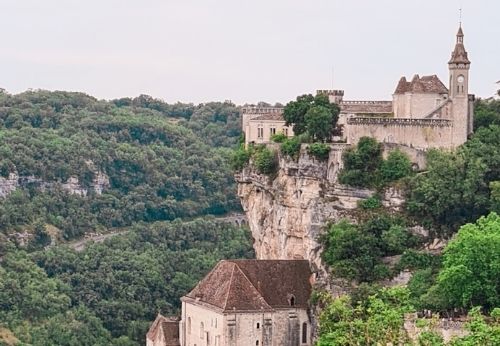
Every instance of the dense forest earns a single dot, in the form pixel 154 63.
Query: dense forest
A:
pixel 162 162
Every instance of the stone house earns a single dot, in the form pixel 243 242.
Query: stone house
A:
pixel 246 302
pixel 163 332
pixel 423 113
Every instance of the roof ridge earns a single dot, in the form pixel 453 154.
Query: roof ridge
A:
pixel 229 287
pixel 250 282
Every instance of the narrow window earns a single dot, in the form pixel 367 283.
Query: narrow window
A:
pixel 458 88
pixel 304 332
pixel 462 89
pixel 291 301
pixel 285 131
pixel 260 132
pixel 202 330
pixel 257 343
pixel 273 131
pixel 258 325
pixel 189 325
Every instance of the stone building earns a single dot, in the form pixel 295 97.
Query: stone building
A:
pixel 423 113
pixel 248 302
pixel 163 332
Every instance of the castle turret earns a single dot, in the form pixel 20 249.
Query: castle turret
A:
pixel 462 111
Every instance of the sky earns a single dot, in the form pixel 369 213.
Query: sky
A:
pixel 243 51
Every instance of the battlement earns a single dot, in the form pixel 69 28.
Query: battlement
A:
pixel 261 110
pixel 331 92
pixel 400 122
pixel 366 103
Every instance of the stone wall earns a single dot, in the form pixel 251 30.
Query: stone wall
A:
pixel 420 134
pixel 447 328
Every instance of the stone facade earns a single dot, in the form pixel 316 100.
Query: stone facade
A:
pixel 249 302
pixel 423 113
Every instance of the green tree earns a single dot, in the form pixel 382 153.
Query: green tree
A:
pixel 361 164
pixel 396 166
pixel 319 123
pixel 471 265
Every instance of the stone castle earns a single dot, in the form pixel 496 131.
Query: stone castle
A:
pixel 264 302
pixel 423 113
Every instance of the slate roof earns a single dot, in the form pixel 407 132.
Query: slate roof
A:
pixel 255 285
pixel 459 54
pixel 426 84
pixel 269 116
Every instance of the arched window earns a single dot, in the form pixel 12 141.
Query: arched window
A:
pixel 257 343
pixel 189 325
pixel 202 330
pixel 304 332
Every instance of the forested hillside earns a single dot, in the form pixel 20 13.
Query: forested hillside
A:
pixel 161 162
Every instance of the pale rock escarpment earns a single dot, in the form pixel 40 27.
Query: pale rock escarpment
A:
pixel 287 213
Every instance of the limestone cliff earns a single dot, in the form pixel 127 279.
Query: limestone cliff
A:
pixel 287 212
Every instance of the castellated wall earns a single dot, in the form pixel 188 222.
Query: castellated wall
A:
pixel 420 134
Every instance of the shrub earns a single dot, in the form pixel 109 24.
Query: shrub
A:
pixel 413 259
pixel 240 158
pixel 397 166
pixel 361 164
pixel 279 137
pixel 372 202
pixel 291 147
pixel 321 151
pixel 265 161
pixel 395 239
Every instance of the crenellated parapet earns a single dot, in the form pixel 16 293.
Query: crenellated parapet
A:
pixel 400 122
pixel 262 110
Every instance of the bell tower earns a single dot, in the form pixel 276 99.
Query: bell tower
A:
pixel 461 112
pixel 459 65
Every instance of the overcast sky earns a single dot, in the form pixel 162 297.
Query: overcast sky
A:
pixel 244 51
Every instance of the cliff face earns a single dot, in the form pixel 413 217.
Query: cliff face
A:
pixel 287 213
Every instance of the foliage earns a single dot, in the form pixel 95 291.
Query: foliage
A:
pixel 428 338
pixel 291 147
pixel 379 320
pixel 321 151
pixel 279 137
pixel 355 251
pixel 471 265
pixel 319 122
pixel 480 332
pixel 312 114
pixel 163 161
pixel 112 289
pixel 365 167
pixel 396 166
pixel 265 160
pixel 486 113
pixel 361 164
pixel 372 202
pixel 240 158
pixel 414 260
pixel 456 188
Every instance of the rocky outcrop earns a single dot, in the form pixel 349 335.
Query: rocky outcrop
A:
pixel 287 212
pixel 72 185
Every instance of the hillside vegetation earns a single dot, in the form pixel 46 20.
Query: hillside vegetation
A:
pixel 164 162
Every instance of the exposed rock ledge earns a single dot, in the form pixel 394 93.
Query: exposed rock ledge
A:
pixel 287 213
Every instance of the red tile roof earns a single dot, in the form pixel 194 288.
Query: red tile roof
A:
pixel 426 84
pixel 169 326
pixel 249 285
pixel 269 116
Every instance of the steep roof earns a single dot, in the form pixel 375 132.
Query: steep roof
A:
pixel 419 85
pixel 169 326
pixel 249 285
pixel 459 54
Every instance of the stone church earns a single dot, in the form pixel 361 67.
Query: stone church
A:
pixel 423 113
pixel 243 302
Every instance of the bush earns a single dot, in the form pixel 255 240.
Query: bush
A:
pixel 372 202
pixel 291 147
pixel 279 137
pixel 321 151
pixel 395 239
pixel 265 161
pixel 397 166
pixel 361 164
pixel 413 260
pixel 240 158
